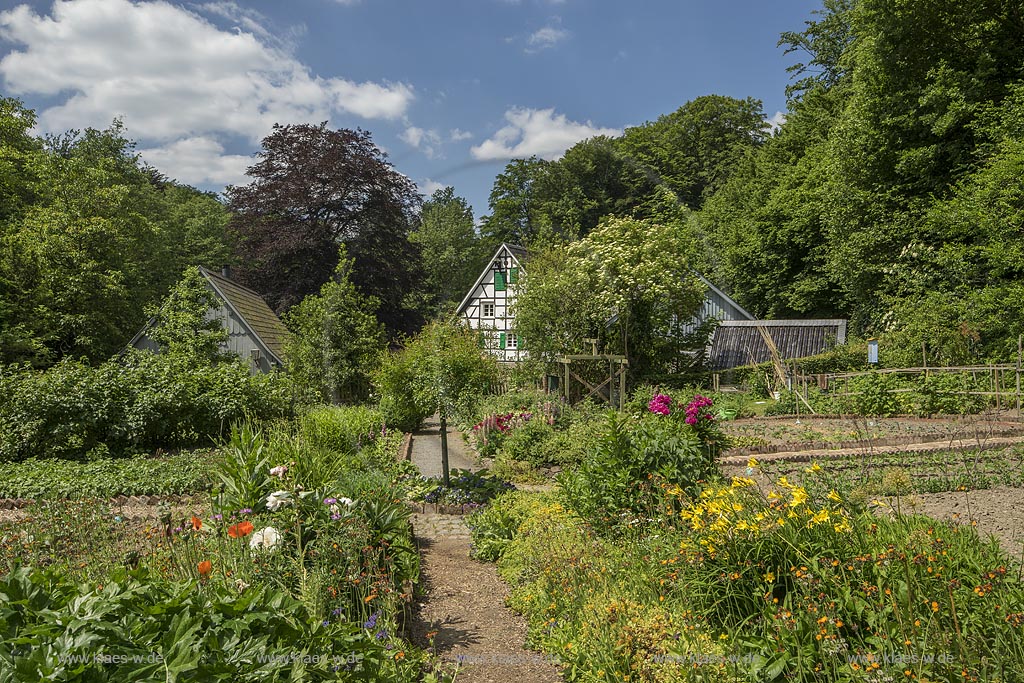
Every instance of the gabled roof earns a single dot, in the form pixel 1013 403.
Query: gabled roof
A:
pixel 520 254
pixel 253 312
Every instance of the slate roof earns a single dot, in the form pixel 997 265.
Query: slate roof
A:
pixel 738 342
pixel 253 311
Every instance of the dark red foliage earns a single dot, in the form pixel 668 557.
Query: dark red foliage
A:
pixel 313 189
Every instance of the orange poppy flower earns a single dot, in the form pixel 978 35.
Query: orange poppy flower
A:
pixel 240 530
pixel 197 523
pixel 205 567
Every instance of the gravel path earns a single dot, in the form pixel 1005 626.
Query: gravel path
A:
pixel 426 450
pixel 462 613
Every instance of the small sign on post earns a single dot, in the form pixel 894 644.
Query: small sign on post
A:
pixel 873 351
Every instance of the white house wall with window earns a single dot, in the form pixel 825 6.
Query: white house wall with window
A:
pixel 487 306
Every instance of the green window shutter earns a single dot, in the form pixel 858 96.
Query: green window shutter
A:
pixel 513 274
pixel 499 281
pixel 501 340
pixel 482 340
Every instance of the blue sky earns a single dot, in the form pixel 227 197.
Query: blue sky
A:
pixel 451 89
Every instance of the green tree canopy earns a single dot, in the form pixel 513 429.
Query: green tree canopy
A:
pixel 313 189
pixel 628 283
pixel 182 325
pixel 337 339
pixel 451 251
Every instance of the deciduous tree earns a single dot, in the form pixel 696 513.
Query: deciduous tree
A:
pixel 451 250
pixel 312 189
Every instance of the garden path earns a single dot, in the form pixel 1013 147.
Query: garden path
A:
pixel 462 612
pixel 426 449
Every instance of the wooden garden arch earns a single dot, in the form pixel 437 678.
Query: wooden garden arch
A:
pixel 617 367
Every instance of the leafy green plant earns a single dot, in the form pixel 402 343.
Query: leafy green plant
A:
pixel 394 389
pixel 134 628
pixel 244 468
pixel 942 393
pixel 142 401
pixel 876 395
pixel 669 446
pixel 495 525
pixel 468 488
pixel 187 472
pixel 526 442
pixel 343 430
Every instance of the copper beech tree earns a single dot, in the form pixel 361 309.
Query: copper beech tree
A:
pixel 313 189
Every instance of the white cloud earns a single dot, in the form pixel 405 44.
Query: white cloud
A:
pixel 201 159
pixel 173 76
pixel 427 140
pixel 538 132
pixel 429 187
pixel 544 38
pixel 458 135
pixel 776 121
pixel 254 22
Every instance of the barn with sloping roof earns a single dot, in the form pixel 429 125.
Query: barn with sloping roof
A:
pixel 255 333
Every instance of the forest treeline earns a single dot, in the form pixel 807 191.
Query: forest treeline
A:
pixel 890 194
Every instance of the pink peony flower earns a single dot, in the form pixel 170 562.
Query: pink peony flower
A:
pixel 660 404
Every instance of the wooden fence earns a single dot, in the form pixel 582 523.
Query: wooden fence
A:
pixel 999 381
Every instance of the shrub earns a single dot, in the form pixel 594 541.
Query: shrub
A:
pixel 570 445
pixel 525 400
pixel 667 447
pixel 526 442
pixel 143 402
pixel 394 385
pixel 343 430
pixel 876 395
pixel 497 524
pixel 941 393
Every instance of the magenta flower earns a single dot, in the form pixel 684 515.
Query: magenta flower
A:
pixel 693 410
pixel 660 404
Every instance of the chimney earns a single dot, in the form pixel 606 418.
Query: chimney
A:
pixel 225 271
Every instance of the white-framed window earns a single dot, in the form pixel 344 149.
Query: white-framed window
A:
pixel 488 309
pixel 512 341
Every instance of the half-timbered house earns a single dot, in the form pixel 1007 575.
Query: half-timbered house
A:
pixel 487 307
pixel 488 304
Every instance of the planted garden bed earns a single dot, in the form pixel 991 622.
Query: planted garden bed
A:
pixel 772 435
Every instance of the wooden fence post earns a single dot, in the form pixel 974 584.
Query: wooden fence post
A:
pixel 1020 350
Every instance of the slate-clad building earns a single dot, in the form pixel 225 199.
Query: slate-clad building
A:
pixel 739 342
pixel 255 333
